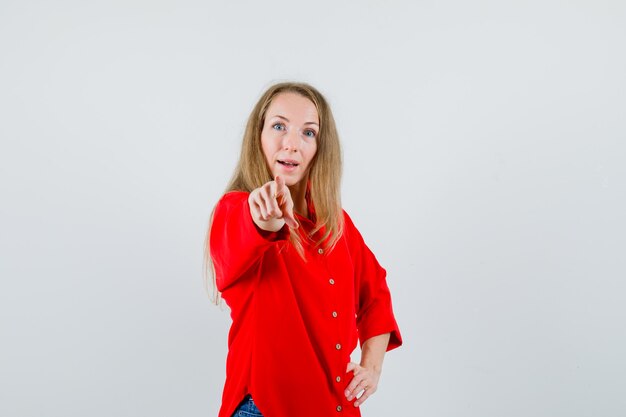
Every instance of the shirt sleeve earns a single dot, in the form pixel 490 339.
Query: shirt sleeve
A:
pixel 236 243
pixel 374 309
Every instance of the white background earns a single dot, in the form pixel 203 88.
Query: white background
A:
pixel 485 153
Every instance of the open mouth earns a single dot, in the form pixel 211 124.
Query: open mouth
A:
pixel 288 163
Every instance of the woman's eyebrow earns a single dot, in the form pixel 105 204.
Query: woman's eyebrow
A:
pixel 287 120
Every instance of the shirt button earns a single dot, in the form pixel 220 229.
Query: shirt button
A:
pixel 332 281
pixel 334 314
pixel 338 379
pixel 338 346
pixel 320 251
pixel 338 408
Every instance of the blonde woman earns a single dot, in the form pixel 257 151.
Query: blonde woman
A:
pixel 301 284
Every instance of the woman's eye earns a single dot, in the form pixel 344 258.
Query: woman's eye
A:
pixel 278 126
pixel 310 133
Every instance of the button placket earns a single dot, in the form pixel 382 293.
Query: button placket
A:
pixel 338 348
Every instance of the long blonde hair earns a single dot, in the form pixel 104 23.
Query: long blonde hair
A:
pixel 252 171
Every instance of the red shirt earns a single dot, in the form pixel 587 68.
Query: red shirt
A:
pixel 294 322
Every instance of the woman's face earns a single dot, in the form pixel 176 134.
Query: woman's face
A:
pixel 289 136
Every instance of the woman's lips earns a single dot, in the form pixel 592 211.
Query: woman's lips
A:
pixel 288 165
pixel 289 162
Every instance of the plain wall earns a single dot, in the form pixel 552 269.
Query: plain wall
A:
pixel 484 149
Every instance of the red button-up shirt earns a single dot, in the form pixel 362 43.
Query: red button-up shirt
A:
pixel 295 322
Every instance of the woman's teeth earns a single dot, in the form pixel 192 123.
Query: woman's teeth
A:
pixel 291 164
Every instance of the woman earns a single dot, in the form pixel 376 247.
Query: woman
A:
pixel 302 285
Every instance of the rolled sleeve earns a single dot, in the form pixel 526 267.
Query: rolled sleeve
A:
pixel 374 309
pixel 375 314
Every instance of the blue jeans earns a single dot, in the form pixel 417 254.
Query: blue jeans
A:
pixel 247 408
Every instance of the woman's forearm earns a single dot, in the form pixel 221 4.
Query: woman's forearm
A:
pixel 373 352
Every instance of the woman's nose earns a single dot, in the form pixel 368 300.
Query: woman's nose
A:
pixel 290 139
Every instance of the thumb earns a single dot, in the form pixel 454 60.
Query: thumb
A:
pixel 289 218
pixel 351 367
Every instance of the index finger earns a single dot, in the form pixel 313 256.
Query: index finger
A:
pixel 280 185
